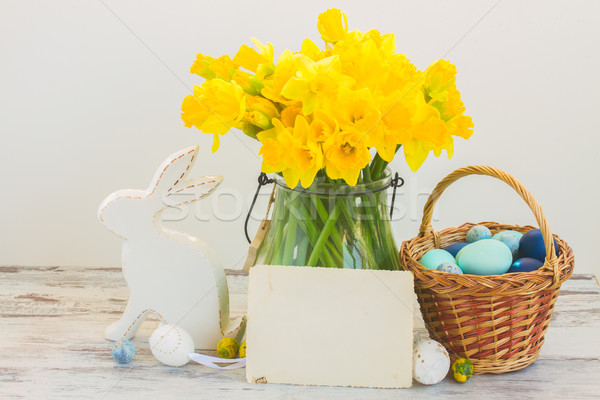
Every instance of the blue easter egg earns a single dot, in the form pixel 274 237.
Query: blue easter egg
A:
pixel 498 235
pixel 511 241
pixel 478 232
pixel 532 245
pixel 454 248
pixel 485 257
pixel 123 351
pixel 449 267
pixel 435 257
pixel 525 264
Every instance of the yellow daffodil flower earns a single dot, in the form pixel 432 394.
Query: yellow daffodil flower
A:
pixel 330 25
pixel 277 144
pixel 362 60
pixel 428 132
pixel 201 66
pixel 210 68
pixel 323 126
pixel 251 59
pixel 284 70
pixel 397 110
pixel 307 154
pixel 315 81
pixel 345 156
pixel 215 107
pixel 289 114
pixel 355 110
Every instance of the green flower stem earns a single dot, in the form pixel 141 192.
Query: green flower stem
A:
pixel 299 214
pixel 367 173
pixel 375 166
pixel 302 251
pixel 327 228
pixel 274 252
pixel 324 215
pixel 290 241
pixel 330 254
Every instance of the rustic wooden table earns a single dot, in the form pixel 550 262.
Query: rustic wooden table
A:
pixel 52 347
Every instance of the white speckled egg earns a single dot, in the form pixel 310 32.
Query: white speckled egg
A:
pixel 171 345
pixel 430 362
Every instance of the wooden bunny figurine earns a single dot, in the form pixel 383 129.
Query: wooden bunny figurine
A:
pixel 171 274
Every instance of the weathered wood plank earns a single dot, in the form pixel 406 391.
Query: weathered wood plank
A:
pixel 52 321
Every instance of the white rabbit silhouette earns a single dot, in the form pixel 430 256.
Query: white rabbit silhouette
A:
pixel 171 274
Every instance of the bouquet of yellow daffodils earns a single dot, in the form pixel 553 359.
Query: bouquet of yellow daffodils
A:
pixel 341 111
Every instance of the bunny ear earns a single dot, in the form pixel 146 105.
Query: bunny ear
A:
pixel 173 170
pixel 192 190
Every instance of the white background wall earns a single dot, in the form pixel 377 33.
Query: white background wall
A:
pixel 90 95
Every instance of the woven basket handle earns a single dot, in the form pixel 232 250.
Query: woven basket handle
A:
pixel 426 228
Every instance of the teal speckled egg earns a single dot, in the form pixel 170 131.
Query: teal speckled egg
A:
pixel 478 232
pixel 434 257
pixel 449 267
pixel 511 241
pixel 498 235
pixel 485 257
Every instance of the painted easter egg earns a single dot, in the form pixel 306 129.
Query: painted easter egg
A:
pixel 123 351
pixel 511 241
pixel 462 369
pixel 449 267
pixel 526 264
pixel 454 248
pixel 532 245
pixel 430 362
pixel 227 347
pixel 171 345
pixel 478 232
pixel 498 235
pixel 485 257
pixel 243 349
pixel 435 257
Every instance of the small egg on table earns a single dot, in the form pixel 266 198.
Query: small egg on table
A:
pixel 430 362
pixel 123 351
pixel 171 345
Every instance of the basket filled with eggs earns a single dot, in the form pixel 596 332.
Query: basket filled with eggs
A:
pixel 487 290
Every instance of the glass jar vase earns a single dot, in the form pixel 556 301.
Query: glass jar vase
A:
pixel 331 224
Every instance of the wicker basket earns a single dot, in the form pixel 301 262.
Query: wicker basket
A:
pixel 497 321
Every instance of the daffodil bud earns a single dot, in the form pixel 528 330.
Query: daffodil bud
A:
pixel 259 119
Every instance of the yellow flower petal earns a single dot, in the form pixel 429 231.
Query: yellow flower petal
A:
pixel 291 177
pixel 216 142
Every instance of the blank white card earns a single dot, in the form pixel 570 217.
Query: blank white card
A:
pixel 326 326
